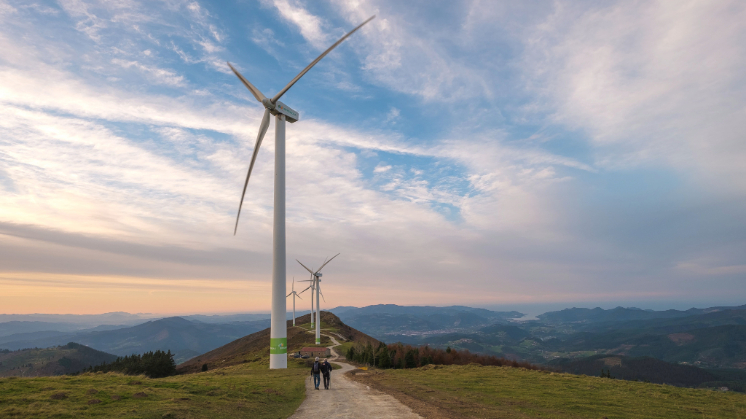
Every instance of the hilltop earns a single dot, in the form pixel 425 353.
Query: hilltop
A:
pixel 252 348
pixel 58 360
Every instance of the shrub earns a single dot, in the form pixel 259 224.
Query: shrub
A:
pixel 153 364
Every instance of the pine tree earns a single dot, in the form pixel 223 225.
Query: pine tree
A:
pixel 384 360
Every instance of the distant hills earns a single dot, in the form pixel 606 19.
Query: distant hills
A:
pixel 708 338
pixel 58 360
pixel 621 314
pixel 79 321
pixel 385 321
pixel 184 338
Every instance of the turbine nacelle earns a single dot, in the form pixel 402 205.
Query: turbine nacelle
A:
pixel 279 108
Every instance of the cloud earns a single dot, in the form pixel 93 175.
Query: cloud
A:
pixel 157 75
pixel 381 169
pixel 648 82
pixel 393 115
pixel 87 22
pixel 311 27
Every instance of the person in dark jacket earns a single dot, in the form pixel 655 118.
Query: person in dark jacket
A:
pixel 326 370
pixel 315 371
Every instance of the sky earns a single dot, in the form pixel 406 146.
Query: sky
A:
pixel 483 153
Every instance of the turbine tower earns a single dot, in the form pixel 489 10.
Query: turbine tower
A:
pixel 278 332
pixel 311 288
pixel 294 294
pixel 316 279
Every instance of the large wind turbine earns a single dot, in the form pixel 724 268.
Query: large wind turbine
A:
pixel 278 332
pixel 316 279
pixel 294 294
pixel 311 288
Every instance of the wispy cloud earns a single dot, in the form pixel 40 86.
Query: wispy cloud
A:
pixel 310 26
pixel 157 75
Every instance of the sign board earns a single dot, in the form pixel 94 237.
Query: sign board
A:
pixel 290 114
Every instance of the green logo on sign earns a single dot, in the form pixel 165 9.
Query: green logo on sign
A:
pixel 278 346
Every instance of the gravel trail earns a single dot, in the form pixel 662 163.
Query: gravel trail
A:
pixel 348 399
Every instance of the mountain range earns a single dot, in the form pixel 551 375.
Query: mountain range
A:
pixel 184 338
pixel 710 338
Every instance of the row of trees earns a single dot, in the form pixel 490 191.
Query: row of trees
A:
pixel 406 356
pixel 153 364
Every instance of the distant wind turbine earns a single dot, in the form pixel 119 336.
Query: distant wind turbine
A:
pixel 315 280
pixel 311 288
pixel 278 330
pixel 294 294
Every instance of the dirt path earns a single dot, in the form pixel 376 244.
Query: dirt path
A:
pixel 348 399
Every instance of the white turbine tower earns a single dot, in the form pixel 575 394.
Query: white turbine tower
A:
pixel 278 332
pixel 316 279
pixel 311 288
pixel 294 294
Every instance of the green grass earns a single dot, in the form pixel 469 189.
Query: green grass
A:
pixel 344 347
pixel 248 390
pixel 324 326
pixel 505 392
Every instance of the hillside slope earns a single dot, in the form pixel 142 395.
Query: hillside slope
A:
pixel 255 347
pixel 58 360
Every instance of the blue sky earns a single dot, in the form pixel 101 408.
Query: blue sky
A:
pixel 462 152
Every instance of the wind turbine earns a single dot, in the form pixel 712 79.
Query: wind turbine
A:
pixel 294 294
pixel 278 330
pixel 311 288
pixel 316 279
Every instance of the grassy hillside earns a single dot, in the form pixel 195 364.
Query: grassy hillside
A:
pixel 57 360
pixel 653 370
pixel 248 390
pixel 253 349
pixel 502 392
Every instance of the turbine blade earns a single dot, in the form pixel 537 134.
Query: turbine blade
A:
pixel 322 266
pixel 262 130
pixel 323 263
pixel 309 287
pixel 288 295
pixel 304 266
pixel 298 296
pixel 254 91
pixel 313 63
pixel 322 294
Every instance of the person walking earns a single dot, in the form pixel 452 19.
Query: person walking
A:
pixel 326 370
pixel 315 371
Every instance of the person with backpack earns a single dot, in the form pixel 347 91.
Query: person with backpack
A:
pixel 326 369
pixel 315 371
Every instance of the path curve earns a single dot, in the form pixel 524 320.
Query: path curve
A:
pixel 348 399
